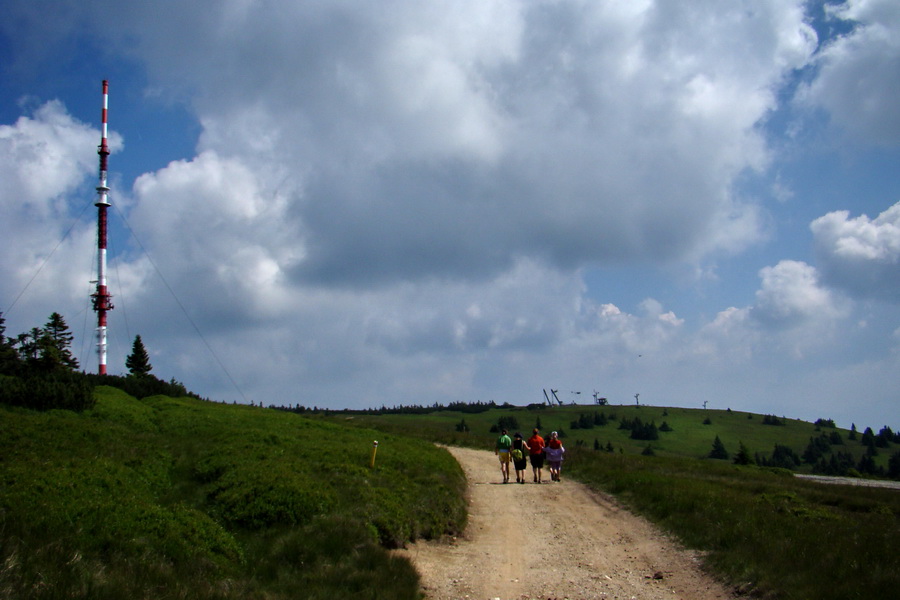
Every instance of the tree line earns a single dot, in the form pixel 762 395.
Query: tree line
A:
pixel 39 371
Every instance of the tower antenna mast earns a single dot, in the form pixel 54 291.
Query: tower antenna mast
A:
pixel 101 297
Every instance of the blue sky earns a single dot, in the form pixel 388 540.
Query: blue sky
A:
pixel 419 202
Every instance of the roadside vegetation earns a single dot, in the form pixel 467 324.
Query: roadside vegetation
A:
pixel 182 498
pixel 765 440
pixel 759 528
pixel 763 530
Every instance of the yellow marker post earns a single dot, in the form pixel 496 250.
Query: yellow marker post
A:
pixel 374 450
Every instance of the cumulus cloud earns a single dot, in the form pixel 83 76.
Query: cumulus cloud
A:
pixel 790 294
pixel 221 233
pixel 449 140
pixel 45 158
pixel 795 316
pixel 860 255
pixel 859 73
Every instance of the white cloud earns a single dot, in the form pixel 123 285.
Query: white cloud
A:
pixel 45 159
pixel 791 295
pixel 221 234
pixel 859 73
pixel 445 140
pixel 860 255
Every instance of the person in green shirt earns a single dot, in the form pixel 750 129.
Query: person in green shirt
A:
pixel 501 449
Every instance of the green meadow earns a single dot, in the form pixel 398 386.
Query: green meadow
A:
pixel 182 498
pixel 165 497
pixel 692 433
pixel 764 531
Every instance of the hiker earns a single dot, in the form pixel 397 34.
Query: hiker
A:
pixel 555 452
pixel 520 459
pixel 536 454
pixel 501 449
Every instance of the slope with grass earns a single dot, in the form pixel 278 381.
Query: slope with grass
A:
pixel 692 434
pixel 760 529
pixel 181 498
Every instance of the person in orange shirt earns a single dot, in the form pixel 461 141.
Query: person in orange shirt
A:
pixel 554 453
pixel 536 454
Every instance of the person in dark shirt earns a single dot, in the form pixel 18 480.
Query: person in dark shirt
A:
pixel 519 457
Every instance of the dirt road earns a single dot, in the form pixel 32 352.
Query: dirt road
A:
pixel 554 540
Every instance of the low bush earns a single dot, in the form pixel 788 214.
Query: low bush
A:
pixel 181 498
pixel 47 391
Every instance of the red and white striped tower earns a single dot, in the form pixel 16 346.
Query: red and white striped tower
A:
pixel 101 297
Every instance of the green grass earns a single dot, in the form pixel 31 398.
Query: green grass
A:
pixel 758 528
pixel 787 538
pixel 689 438
pixel 180 498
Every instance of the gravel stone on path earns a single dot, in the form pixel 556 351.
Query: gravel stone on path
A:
pixel 557 541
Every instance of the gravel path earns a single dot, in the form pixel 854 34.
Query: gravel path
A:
pixel 554 541
pixel 881 483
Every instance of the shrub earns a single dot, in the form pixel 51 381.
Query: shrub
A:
pixel 644 431
pixel 782 457
pixel 181 498
pixel 718 450
pixel 47 391
pixel 743 456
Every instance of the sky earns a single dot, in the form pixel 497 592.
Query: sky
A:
pixel 357 204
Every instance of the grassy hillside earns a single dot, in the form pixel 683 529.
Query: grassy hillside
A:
pixel 180 498
pixel 692 430
pixel 768 533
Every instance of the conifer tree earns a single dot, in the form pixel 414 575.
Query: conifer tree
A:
pixel 28 345
pixel 743 456
pixel 9 360
pixel 47 349
pixel 56 350
pixel 718 450
pixel 138 362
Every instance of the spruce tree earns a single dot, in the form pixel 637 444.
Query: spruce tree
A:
pixel 28 345
pixel 9 359
pixel 138 362
pixel 46 350
pixel 743 456
pixel 718 450
pixel 56 348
